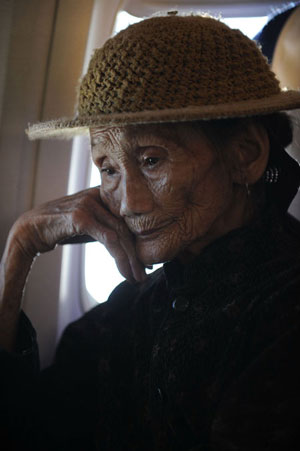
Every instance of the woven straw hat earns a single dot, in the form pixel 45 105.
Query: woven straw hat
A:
pixel 172 68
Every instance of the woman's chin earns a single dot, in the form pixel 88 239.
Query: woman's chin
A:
pixel 151 253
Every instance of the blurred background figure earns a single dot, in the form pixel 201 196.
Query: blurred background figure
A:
pixel 280 43
pixel 286 57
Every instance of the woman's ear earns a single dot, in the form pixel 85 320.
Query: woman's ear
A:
pixel 251 149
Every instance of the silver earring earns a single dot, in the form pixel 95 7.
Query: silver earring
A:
pixel 271 175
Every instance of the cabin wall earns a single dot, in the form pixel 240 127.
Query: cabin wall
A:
pixel 43 49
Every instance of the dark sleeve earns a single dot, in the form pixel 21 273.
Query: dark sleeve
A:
pixel 18 370
pixel 58 408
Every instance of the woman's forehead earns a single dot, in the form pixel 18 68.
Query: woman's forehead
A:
pixel 175 132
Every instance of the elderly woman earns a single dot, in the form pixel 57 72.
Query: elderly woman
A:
pixel 186 129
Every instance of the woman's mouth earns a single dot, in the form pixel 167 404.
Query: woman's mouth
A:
pixel 149 233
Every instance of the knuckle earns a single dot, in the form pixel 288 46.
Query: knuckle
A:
pixel 110 238
pixel 122 229
pixel 78 219
pixel 76 216
pixel 83 202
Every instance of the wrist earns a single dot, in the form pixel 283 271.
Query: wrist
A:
pixel 14 269
pixel 20 242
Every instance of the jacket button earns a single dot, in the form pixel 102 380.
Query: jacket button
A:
pixel 180 304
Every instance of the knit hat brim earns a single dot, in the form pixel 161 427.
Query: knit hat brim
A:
pixel 67 128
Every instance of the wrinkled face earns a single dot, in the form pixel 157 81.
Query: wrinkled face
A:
pixel 167 183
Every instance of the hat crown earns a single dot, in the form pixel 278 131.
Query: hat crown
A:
pixel 172 62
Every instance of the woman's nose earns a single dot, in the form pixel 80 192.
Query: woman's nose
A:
pixel 136 196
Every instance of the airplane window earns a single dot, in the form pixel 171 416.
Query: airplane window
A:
pixel 123 20
pixel 250 26
pixel 95 252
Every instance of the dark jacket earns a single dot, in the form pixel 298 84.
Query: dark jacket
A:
pixel 199 357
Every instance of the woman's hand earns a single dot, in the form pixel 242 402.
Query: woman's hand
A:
pixel 39 230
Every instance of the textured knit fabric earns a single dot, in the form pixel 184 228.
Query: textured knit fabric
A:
pixel 199 357
pixel 174 62
pixel 173 68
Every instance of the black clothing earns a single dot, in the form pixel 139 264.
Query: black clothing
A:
pixel 199 357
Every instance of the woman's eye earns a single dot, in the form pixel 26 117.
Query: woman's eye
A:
pixel 151 161
pixel 108 171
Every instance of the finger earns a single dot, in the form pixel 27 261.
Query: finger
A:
pixel 121 246
pixel 94 204
pixel 138 269
pixel 82 221
pixel 126 239
pixel 110 240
